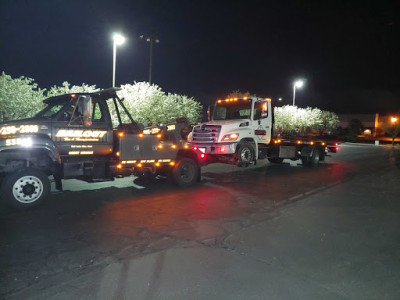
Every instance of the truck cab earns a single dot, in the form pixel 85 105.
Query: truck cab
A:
pixel 238 132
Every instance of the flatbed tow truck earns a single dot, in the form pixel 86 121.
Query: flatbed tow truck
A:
pixel 241 131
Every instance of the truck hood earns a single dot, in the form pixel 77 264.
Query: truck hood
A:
pixel 231 123
pixel 24 126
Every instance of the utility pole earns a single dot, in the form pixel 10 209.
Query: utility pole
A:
pixel 150 39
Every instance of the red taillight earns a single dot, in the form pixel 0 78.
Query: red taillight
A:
pixel 202 155
pixel 336 144
pixel 194 148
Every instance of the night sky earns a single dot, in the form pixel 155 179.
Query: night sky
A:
pixel 348 51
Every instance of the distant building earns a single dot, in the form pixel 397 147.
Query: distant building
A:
pixel 373 124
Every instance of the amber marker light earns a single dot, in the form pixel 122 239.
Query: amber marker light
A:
pixel 117 154
pixel 121 134
pixel 172 163
pixel 160 146
pixel 323 144
pixel 119 166
pixel 298 142
pixel 159 136
pixel 157 164
pixel 219 101
pixel 311 143
pixel 173 146
pixel 186 146
pixel 141 135
pixel 139 165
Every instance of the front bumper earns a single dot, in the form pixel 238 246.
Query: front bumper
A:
pixel 216 148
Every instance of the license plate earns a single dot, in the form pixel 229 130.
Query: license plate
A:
pixel 202 150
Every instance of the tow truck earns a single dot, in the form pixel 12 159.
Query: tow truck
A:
pixel 241 131
pixel 91 137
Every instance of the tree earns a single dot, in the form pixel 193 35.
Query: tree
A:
pixel 238 94
pixel 66 88
pixel 393 130
pixel 148 104
pixel 19 97
pixel 291 119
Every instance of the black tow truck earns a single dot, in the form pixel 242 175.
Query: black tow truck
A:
pixel 91 137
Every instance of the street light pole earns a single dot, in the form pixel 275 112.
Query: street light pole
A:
pixel 297 84
pixel 117 40
pixel 150 39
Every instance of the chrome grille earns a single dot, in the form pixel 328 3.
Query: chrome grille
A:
pixel 206 133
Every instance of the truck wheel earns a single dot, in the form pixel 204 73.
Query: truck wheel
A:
pixel 26 188
pixel 275 160
pixel 311 161
pixel 245 153
pixel 185 172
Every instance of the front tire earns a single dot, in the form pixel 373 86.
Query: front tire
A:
pixel 185 172
pixel 25 188
pixel 245 153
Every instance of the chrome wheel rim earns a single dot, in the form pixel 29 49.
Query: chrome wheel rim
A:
pixel 27 189
pixel 245 155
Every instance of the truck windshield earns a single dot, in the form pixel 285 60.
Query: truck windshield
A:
pixel 232 110
pixel 50 111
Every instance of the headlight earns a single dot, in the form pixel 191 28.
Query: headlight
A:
pixel 189 137
pixel 230 137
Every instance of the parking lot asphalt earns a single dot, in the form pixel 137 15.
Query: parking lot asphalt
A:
pixel 340 241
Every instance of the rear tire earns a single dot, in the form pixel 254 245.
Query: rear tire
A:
pixel 25 189
pixel 185 172
pixel 313 160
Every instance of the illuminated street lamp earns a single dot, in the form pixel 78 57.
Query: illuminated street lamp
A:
pixel 298 84
pixel 118 40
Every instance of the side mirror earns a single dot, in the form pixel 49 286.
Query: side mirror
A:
pixel 210 111
pixel 86 104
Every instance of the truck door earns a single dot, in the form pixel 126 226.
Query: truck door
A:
pixel 78 134
pixel 263 116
